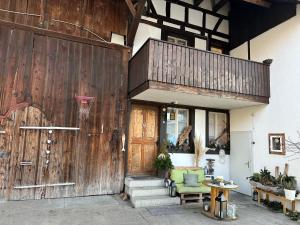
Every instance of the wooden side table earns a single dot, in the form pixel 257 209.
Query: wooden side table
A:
pixel 215 190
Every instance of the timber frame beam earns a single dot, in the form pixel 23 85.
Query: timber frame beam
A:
pixel 137 14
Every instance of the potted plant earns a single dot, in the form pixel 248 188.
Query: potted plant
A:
pixel 163 162
pixel 289 184
pixel 254 179
pixel 268 181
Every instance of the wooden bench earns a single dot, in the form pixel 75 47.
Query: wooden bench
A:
pixel 279 198
pixel 189 197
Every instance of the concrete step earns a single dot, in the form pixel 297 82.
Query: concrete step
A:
pixel 132 182
pixel 150 201
pixel 147 191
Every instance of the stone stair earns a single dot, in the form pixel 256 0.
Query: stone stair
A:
pixel 146 191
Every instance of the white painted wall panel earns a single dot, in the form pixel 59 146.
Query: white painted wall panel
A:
pixel 144 32
pixel 282 114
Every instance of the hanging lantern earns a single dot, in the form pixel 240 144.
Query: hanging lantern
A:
pixel 167 182
pixel 221 206
pixel 206 204
pixel 255 195
pixel 172 189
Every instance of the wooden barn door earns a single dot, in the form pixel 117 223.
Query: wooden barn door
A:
pixel 31 167
pixel 143 137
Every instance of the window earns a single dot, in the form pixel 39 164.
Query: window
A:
pixel 218 131
pixel 178 41
pixel 177 120
pixel 178 38
pixel 216 50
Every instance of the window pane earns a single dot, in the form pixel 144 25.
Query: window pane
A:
pixel 218 133
pixel 177 120
pixel 182 120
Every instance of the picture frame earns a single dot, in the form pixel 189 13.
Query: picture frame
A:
pixel 277 143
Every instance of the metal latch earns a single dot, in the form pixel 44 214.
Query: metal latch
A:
pixel 26 163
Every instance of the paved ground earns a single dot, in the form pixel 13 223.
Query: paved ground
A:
pixel 111 210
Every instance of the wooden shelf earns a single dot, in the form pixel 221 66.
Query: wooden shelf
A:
pixel 280 198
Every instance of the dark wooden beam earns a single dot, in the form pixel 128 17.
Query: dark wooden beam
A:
pixel 209 12
pixel 186 14
pixel 217 25
pixel 262 3
pixel 219 5
pixel 172 29
pixel 63 36
pixel 151 7
pixel 131 7
pixel 135 22
pixel 184 24
pixel 197 2
pixel 168 9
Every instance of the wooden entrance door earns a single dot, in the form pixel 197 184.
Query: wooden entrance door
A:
pixel 143 137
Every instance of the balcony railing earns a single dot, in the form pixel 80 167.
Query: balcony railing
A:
pixel 172 64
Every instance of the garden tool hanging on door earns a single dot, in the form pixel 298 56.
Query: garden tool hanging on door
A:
pixel 45 169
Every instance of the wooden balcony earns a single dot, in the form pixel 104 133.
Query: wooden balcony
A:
pixel 160 71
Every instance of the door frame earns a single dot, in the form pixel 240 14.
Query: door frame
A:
pixel 131 106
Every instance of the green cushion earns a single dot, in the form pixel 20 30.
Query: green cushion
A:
pixel 177 175
pixel 200 173
pixel 190 180
pixel 200 189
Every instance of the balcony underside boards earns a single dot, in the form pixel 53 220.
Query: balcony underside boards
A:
pixel 166 72
pixel 183 95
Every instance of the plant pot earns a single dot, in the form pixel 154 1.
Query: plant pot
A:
pixel 253 183
pixel 163 173
pixel 290 194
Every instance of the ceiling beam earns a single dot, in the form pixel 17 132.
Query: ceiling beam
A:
pixel 263 3
pixel 219 5
pixel 131 7
pixel 140 5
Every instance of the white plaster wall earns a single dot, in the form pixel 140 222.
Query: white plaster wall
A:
pixel 282 114
pixel 179 159
pixel 144 32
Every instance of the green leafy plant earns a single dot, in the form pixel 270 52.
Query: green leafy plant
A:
pixel 273 205
pixel 295 216
pixel 266 178
pixel 163 161
pixel 289 182
pixel 255 177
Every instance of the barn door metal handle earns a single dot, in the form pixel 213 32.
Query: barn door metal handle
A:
pixel 26 163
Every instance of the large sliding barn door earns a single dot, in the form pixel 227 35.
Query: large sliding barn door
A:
pixel 143 137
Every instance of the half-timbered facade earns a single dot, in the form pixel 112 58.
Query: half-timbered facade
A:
pixel 151 67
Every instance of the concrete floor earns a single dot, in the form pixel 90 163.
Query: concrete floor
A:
pixel 111 210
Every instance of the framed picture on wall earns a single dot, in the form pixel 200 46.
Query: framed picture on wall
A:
pixel 277 144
